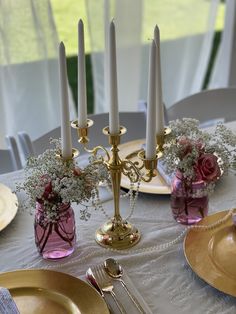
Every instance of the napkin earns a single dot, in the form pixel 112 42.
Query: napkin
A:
pixel 161 169
pixel 212 122
pixel 7 304
pixel 124 298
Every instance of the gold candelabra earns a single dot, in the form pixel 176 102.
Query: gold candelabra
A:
pixel 118 233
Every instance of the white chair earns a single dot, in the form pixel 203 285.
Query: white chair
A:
pixel 9 157
pixel 207 106
pixel 135 122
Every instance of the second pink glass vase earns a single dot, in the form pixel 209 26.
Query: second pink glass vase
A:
pixel 189 200
pixel 56 238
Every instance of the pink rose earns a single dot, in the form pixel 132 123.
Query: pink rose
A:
pixel 187 146
pixel 207 166
pixel 199 145
pixel 46 183
pixel 47 190
pixel 48 193
pixel 77 172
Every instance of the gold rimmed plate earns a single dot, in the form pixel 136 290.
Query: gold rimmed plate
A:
pixel 45 291
pixel 158 185
pixel 8 206
pixel 211 253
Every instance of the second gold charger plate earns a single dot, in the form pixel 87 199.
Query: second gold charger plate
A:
pixel 157 186
pixel 211 253
pixel 45 291
pixel 8 206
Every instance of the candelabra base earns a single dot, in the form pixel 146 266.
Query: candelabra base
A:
pixel 117 234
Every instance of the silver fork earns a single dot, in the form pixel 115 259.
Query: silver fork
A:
pixel 106 285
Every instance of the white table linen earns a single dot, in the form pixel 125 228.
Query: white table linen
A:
pixel 161 276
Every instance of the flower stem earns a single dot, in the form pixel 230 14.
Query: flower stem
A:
pixel 47 236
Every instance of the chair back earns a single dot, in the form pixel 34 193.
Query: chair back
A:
pixel 10 158
pixel 135 122
pixel 206 106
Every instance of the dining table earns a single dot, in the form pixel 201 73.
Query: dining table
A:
pixel 156 268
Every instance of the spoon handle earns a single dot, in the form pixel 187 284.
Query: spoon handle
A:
pixel 132 297
pixel 119 305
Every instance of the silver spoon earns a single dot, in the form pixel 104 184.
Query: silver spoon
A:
pixel 115 270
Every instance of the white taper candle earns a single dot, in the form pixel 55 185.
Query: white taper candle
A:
pixel 159 101
pixel 106 66
pixel 66 144
pixel 151 106
pixel 114 126
pixel 82 97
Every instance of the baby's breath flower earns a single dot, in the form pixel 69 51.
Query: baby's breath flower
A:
pixel 52 182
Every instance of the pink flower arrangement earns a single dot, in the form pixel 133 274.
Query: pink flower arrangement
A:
pixel 52 182
pixel 205 166
pixel 197 154
pixel 196 159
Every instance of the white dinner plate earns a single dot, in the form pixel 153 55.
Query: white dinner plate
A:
pixel 8 206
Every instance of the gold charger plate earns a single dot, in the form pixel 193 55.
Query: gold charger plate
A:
pixel 212 253
pixel 8 206
pixel 157 186
pixel 45 291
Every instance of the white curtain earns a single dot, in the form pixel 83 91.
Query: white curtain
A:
pixel 205 50
pixel 127 16
pixel 224 70
pixel 29 86
pixel 187 30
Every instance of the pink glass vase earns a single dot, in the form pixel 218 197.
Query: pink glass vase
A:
pixel 56 239
pixel 189 200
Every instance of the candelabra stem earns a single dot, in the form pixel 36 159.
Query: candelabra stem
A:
pixel 116 233
pixel 115 167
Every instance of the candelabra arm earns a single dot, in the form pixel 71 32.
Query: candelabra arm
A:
pixel 132 170
pixel 148 176
pixel 95 149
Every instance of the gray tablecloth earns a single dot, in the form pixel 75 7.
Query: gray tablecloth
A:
pixel 161 276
